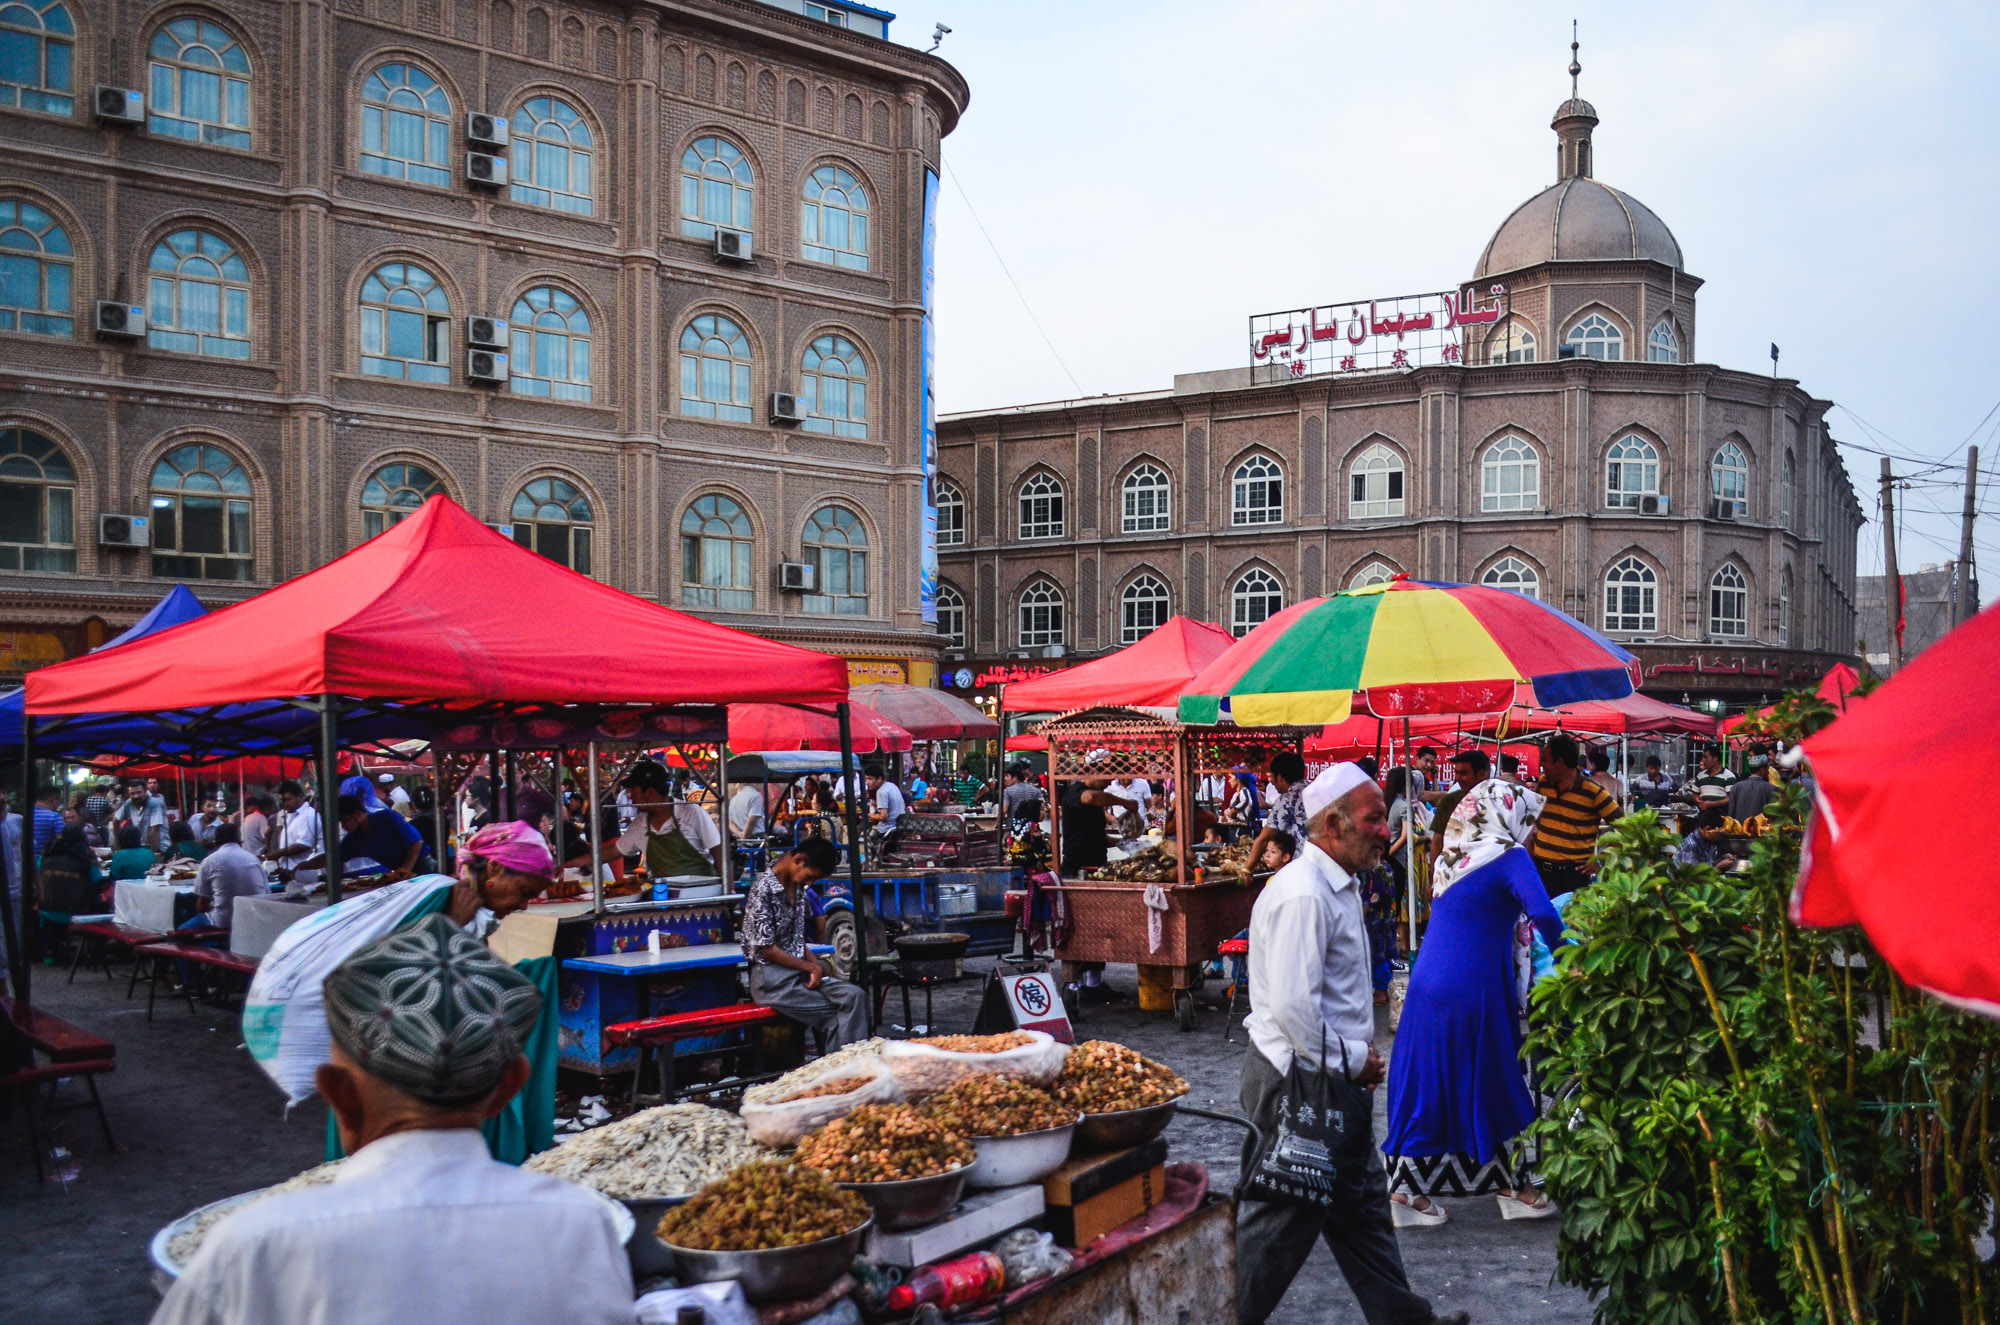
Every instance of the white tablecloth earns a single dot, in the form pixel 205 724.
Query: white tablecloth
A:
pixel 146 905
pixel 256 922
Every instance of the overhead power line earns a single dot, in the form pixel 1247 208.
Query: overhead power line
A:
pixel 1018 292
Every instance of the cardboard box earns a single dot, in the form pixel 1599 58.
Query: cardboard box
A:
pixel 1081 1224
pixel 1082 1178
pixel 980 1217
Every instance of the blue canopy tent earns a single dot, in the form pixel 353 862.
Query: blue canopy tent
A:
pixel 178 606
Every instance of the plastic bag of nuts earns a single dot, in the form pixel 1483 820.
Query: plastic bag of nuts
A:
pixel 1103 1076
pixel 925 1067
pixel 817 1101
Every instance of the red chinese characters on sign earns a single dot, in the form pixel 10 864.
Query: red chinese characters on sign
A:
pixel 993 676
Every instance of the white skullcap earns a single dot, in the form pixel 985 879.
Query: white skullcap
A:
pixel 1097 756
pixel 386 778
pixel 1331 785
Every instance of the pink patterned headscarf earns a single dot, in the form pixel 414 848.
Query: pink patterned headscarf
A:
pixel 513 846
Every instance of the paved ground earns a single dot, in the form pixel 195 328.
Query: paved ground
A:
pixel 196 1121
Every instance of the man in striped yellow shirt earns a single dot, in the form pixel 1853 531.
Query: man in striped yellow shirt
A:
pixel 1564 845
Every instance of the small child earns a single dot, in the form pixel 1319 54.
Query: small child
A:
pixel 1212 834
pixel 1278 852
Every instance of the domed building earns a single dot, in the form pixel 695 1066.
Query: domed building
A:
pixel 1547 427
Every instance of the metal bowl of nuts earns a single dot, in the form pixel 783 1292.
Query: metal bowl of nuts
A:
pixel 1125 1128
pixel 1009 1161
pixel 776 1274
pixel 913 1202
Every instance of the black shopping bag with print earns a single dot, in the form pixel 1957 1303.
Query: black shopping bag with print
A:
pixel 1320 1148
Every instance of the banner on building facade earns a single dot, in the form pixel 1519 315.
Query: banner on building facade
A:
pixel 1373 335
pixel 927 577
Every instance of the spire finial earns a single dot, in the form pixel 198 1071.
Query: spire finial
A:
pixel 1574 67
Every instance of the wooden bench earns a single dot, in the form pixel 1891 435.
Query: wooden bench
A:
pixel 61 1041
pixel 28 1083
pixel 94 937
pixel 655 1032
pixel 220 960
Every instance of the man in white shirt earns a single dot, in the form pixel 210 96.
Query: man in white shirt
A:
pixel 1140 792
pixel 1310 986
pixel 227 873
pixel 746 812
pixel 420 1223
pixel 673 837
pixel 146 812
pixel 299 836
pixel 256 826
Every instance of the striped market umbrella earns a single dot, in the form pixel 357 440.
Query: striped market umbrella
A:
pixel 1413 647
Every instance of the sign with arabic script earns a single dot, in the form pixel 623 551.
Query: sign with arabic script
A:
pixel 1374 335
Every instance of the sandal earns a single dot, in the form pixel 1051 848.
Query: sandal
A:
pixel 1403 1214
pixel 1515 1207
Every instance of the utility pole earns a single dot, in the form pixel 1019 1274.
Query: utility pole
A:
pixel 1892 582
pixel 1961 603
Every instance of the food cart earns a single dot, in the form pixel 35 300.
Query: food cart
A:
pixel 1109 919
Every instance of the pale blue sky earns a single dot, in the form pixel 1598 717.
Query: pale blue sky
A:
pixel 1152 174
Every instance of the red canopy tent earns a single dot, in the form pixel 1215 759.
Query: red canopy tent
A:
pixel 1891 850
pixel 1149 674
pixel 1836 688
pixel 784 727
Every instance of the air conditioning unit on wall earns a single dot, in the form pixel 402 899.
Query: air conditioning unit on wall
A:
pixel 486 333
pixel 117 321
pixel 1720 508
pixel 118 105
pixel 732 246
pixel 123 531
pixel 485 366
pixel 785 408
pixel 482 168
pixel 796 576
pixel 483 130
pixel 1653 505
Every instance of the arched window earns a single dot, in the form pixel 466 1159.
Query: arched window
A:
pixel 1510 476
pixel 1257 492
pixel 1513 573
pixel 836 219
pixel 833 387
pixel 950 514
pixel 551 353
pixel 406 126
pixel 1255 598
pixel 1041 615
pixel 1042 506
pixel 715 370
pixel 551 517
pixel 201 515
pixel 37 504
pixel 1596 338
pixel 1664 345
pixel 1785 491
pixel 716 542
pixel 36 265
pixel 1631 471
pixel 836 547
pixel 201 85
pixel 716 188
pixel 1785 607
pixel 1147 501
pixel 1631 597
pixel 37 54
pixel 1511 343
pixel 1728 602
pixel 549 161
pixel 951 616
pixel 393 492
pixel 1729 476
pixel 1375 572
pixel 405 324
pixel 198 296
pixel 1376 484
pixel 1142 609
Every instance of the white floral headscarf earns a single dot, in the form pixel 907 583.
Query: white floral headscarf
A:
pixel 1491 820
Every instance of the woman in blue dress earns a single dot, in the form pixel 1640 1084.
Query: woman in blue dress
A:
pixel 1458 1093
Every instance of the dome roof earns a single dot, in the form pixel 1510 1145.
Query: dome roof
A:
pixel 1579 220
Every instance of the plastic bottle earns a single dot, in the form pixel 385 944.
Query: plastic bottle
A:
pixel 690 1313
pixel 951 1283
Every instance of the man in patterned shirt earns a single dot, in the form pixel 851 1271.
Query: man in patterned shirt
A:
pixel 783 975
pixel 1287 814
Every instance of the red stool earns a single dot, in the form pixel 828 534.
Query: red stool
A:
pixel 1234 948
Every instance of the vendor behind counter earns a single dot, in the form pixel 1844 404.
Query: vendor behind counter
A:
pixel 670 835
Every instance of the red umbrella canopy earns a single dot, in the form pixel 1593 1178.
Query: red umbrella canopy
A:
pixel 1888 849
pixel 927 714
pixel 1149 674
pixel 783 727
pixel 1836 688
pixel 440 608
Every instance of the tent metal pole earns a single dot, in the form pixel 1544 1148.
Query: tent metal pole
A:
pixel 853 799
pixel 439 811
pixel 1410 845
pixel 722 807
pixel 596 825
pixel 18 944
pixel 329 793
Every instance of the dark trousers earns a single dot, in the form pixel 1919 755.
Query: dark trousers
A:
pixel 1273 1238
pixel 1561 876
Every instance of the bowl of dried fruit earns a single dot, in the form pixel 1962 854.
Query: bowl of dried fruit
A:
pixel 782 1231
pixel 1127 1099
pixel 1021 1132
pixel 908 1168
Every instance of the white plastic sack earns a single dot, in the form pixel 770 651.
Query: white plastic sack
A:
pixel 284 1014
pixel 780 1125
pixel 922 1070
pixel 721 1304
